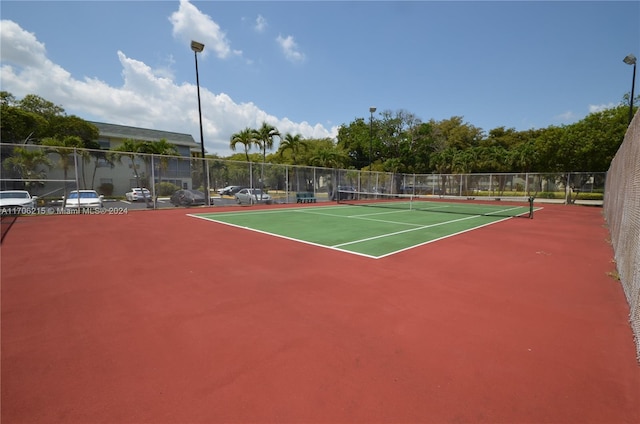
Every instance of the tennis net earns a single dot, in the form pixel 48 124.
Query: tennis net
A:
pixel 503 206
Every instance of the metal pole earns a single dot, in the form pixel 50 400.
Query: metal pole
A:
pixel 205 180
pixel 631 60
pixel 633 84
pixel 371 110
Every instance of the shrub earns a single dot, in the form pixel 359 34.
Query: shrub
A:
pixel 590 196
pixel 166 189
pixel 547 195
pixel 105 189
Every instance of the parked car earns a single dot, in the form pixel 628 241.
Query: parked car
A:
pixel 83 199
pixel 138 194
pixel 187 198
pixel 16 200
pixel 252 196
pixel 229 190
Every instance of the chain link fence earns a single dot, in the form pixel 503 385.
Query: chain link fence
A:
pixel 51 172
pixel 622 212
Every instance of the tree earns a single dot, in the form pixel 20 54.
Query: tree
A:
pixel 295 143
pixel 263 138
pixel 38 105
pixel 65 148
pixel 356 139
pixel 596 139
pixel 25 163
pixel 246 137
pixel 62 126
pixel 397 145
pixel 453 132
pixel 20 126
pixel 164 150
pixel 329 158
pixel 129 148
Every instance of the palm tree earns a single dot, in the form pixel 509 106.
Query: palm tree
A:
pixel 66 149
pixel 263 137
pixel 294 143
pixel 25 162
pixel 164 149
pixel 129 147
pixel 244 137
pixel 330 158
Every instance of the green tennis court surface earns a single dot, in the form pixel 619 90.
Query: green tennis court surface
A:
pixel 374 232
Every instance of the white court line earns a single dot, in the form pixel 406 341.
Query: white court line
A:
pixel 337 247
pixel 283 237
pixel 405 231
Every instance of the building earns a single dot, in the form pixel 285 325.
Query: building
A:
pixel 122 175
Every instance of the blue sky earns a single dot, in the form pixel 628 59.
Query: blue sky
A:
pixel 309 67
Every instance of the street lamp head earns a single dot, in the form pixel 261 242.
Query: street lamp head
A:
pixel 372 109
pixel 630 60
pixel 197 47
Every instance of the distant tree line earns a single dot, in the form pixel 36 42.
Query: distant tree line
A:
pixel 34 120
pixel 400 142
pixel 394 141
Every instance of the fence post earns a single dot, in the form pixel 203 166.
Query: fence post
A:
pixel 75 165
pixel 154 198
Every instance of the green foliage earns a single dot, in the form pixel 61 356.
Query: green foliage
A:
pixel 590 196
pixel 27 164
pixel 166 189
pixel 20 126
pixel 547 195
pixel 401 142
pixel 244 137
pixel 105 189
pixel 39 106
pixel 294 144
pixel 34 119
pixel 396 141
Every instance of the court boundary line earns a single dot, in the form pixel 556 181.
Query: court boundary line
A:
pixel 282 236
pixel 408 230
pixel 337 246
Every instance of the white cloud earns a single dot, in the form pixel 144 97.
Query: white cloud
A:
pixel 189 23
pixel 19 46
pixel 261 24
pixel 290 48
pixel 600 108
pixel 148 98
pixel 566 116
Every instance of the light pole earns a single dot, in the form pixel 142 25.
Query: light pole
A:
pixel 371 110
pixel 631 60
pixel 197 48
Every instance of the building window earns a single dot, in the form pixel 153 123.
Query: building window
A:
pixel 105 143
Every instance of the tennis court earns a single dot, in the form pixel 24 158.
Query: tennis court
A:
pixel 374 228
pixel 158 317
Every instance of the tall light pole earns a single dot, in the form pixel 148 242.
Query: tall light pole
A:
pixel 197 48
pixel 371 110
pixel 631 60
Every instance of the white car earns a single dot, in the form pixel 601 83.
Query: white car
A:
pixel 83 199
pixel 138 194
pixel 252 195
pixel 229 190
pixel 16 200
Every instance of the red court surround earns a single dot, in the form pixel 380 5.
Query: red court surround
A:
pixel 157 317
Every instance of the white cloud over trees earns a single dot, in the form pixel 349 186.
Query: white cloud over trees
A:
pixel 147 97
